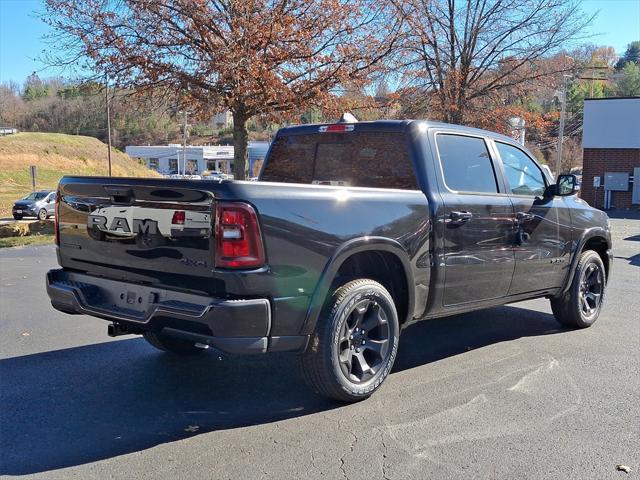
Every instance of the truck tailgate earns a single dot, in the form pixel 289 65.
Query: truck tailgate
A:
pixel 154 231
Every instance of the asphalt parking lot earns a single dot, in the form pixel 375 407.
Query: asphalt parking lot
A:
pixel 503 393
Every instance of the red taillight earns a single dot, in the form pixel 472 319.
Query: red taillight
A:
pixel 238 238
pixel 336 128
pixel 56 220
pixel 178 217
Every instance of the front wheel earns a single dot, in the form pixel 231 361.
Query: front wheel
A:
pixel 355 343
pixel 42 215
pixel 580 306
pixel 17 216
pixel 169 344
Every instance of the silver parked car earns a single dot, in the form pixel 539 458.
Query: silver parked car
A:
pixel 39 204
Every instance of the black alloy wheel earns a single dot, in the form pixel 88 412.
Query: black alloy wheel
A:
pixel 591 288
pixel 364 341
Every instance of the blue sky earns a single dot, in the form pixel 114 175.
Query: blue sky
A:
pixel 617 24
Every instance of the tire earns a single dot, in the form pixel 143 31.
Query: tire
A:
pixel 580 306
pixel 42 214
pixel 355 343
pixel 172 345
pixel 17 217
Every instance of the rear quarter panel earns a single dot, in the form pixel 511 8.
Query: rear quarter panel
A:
pixel 304 226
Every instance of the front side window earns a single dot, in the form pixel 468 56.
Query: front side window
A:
pixel 154 163
pixel 523 175
pixel 466 164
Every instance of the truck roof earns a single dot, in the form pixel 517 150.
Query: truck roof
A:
pixel 395 126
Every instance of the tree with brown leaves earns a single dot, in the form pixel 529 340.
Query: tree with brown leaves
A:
pixel 252 57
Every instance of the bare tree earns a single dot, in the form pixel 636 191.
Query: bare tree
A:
pixel 252 57
pixel 455 54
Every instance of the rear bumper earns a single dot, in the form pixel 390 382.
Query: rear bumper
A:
pixel 231 326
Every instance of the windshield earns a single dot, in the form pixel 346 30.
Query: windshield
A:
pixel 36 196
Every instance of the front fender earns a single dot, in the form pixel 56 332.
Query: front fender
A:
pixel 346 250
pixel 587 235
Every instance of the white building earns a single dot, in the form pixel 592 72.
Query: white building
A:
pixel 170 159
pixel 8 131
pixel 173 158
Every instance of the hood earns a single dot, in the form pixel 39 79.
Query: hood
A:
pixel 25 203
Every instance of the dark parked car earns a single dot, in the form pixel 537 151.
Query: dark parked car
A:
pixel 39 204
pixel 355 231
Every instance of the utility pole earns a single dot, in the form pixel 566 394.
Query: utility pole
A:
pixel 517 124
pixel 184 142
pixel 106 99
pixel 561 129
pixel 597 74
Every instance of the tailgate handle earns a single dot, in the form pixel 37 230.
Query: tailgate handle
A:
pixel 122 195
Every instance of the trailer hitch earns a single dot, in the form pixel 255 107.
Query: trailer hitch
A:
pixel 118 329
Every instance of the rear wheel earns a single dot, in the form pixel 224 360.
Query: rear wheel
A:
pixel 42 214
pixel 580 306
pixel 355 344
pixel 176 346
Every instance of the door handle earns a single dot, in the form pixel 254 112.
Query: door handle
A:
pixel 524 217
pixel 460 217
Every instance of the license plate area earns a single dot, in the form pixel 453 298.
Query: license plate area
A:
pixel 138 299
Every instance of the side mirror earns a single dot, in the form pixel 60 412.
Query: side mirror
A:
pixel 566 185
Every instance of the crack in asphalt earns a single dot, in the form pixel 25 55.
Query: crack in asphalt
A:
pixel 313 464
pixel 385 451
pixel 351 448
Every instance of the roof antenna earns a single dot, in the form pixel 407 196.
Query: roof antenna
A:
pixel 347 118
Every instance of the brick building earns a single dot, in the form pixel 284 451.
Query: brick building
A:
pixel 611 153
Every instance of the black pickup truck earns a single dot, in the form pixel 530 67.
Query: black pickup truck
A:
pixel 354 232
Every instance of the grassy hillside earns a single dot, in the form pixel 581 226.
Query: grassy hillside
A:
pixel 55 155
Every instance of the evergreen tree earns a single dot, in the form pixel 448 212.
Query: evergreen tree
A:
pixel 632 54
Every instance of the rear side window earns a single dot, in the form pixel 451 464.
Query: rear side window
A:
pixel 359 159
pixel 523 175
pixel 466 164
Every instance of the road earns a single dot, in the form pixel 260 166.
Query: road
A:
pixel 503 393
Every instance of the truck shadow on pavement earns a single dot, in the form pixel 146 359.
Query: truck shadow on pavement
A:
pixel 80 405
pixel 633 260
